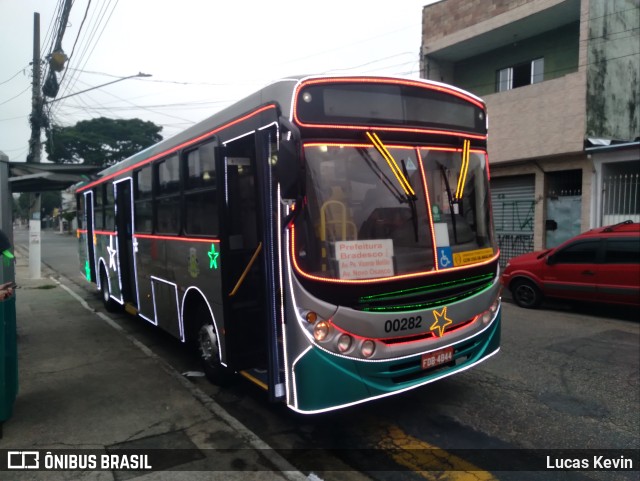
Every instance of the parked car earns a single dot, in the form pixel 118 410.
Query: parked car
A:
pixel 601 265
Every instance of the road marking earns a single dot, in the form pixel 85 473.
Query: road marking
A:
pixel 421 457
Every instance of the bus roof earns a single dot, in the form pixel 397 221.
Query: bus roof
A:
pixel 279 93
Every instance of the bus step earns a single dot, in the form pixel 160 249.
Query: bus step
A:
pixel 131 309
pixel 257 376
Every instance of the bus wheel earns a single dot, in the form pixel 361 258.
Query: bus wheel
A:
pixel 109 304
pixel 209 351
pixel 526 294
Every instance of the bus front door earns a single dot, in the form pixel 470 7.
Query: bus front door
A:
pixel 242 259
pixel 90 264
pixel 124 228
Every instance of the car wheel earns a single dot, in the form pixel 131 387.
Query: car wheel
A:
pixel 109 304
pixel 526 294
pixel 208 347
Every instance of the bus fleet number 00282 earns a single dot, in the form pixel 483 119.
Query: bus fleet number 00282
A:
pixel 404 324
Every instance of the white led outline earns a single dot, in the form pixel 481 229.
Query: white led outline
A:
pixel 294 388
pixel 155 307
pixel 285 353
pixel 392 393
pixel 89 193
pixel 134 241
pixel 213 318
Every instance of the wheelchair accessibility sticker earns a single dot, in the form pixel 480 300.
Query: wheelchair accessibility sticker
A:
pixel 445 257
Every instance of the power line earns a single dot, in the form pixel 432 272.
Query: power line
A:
pixel 22 70
pixel 16 96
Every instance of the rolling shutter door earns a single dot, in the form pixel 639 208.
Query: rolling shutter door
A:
pixel 513 203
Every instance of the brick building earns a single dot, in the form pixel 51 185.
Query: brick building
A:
pixel 561 79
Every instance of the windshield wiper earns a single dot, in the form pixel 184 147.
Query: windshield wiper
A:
pixel 450 198
pixel 386 181
pixel 412 201
pixel 393 165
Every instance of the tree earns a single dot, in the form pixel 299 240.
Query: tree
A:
pixel 100 141
pixel 49 200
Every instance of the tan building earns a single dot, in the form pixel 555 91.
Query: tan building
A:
pixel 561 79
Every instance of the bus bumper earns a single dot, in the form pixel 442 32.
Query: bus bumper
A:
pixel 323 381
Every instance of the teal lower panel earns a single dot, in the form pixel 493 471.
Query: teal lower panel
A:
pixel 324 381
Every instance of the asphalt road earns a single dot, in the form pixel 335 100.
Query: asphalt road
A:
pixel 566 378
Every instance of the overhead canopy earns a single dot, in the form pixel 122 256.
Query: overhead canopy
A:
pixel 33 177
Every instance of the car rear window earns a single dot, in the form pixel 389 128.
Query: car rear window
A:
pixel 622 251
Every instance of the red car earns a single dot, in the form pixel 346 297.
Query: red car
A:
pixel 601 265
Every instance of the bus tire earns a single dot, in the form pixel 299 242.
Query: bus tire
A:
pixel 526 294
pixel 208 347
pixel 109 304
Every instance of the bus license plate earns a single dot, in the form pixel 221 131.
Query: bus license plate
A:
pixel 435 358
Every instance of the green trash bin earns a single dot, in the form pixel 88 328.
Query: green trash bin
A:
pixel 8 359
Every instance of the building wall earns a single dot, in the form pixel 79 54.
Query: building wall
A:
pixel 613 89
pixel 559 48
pixel 540 169
pixel 538 120
pixel 451 16
pixel 591 88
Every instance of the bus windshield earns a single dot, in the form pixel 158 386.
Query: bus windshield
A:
pixel 376 211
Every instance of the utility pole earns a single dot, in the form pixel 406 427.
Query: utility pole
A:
pixel 35 147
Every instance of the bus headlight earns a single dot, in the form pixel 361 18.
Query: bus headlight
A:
pixel 368 347
pixel 344 342
pixel 491 312
pixel 321 331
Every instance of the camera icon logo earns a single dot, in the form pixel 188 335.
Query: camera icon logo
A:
pixel 23 460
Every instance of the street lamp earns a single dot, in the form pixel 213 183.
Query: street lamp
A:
pixel 139 74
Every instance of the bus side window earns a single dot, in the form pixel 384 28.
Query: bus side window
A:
pixel 98 219
pixel 80 210
pixel 168 196
pixel 109 206
pixel 201 210
pixel 143 202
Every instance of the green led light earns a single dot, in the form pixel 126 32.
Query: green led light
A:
pixel 213 257
pixel 426 305
pixel 431 287
pixel 87 270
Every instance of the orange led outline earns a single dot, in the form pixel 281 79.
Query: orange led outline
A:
pixel 429 216
pixel 464 169
pixel 178 147
pixel 393 81
pixel 404 147
pixel 298 269
pixel 176 238
pixel 393 165
pixel 379 279
pixel 438 88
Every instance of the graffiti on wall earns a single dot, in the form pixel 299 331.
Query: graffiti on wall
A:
pixel 514 227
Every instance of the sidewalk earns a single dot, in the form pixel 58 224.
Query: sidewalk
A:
pixel 87 388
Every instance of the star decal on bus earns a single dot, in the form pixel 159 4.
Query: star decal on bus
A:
pixel 112 254
pixel 441 322
pixel 213 257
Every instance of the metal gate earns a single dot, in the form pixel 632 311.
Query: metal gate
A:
pixel 513 203
pixel 621 198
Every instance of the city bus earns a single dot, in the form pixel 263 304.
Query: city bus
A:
pixel 329 238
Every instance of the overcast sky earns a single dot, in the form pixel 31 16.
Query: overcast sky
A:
pixel 202 54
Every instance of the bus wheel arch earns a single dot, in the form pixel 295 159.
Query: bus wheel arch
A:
pixel 105 293
pixel 203 337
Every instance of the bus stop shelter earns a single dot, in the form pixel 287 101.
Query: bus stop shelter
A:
pixel 16 177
